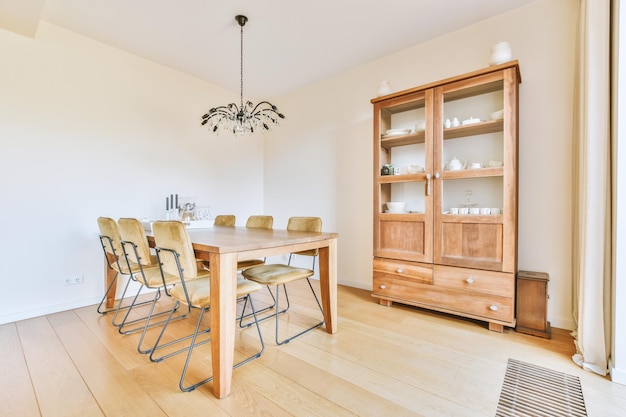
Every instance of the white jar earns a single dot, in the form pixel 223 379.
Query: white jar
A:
pixel 383 88
pixel 500 53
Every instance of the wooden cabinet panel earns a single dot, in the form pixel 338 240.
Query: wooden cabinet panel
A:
pixel 473 280
pixel 401 239
pixel 474 245
pixel 416 272
pixel 463 303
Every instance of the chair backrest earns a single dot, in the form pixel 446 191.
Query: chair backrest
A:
pixel 305 224
pixel 110 236
pixel 260 222
pixel 172 235
pixel 131 230
pixel 224 220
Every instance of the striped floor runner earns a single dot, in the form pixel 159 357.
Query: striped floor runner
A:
pixel 530 390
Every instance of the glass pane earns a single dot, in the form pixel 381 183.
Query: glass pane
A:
pixel 473 193
pixel 412 193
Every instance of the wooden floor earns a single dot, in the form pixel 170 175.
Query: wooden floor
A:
pixel 397 361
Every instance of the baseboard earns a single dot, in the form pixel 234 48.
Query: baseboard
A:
pixel 617 375
pixel 355 284
pixel 42 311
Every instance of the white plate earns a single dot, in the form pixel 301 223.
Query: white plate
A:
pixel 396 211
pixel 397 132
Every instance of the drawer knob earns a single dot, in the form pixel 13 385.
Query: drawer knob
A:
pixel 493 308
pixel 383 286
pixel 400 271
pixel 469 280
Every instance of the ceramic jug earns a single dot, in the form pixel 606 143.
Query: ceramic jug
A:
pixel 500 53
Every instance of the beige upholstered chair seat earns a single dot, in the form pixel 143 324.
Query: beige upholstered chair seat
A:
pixel 200 294
pixel 276 274
pixel 249 263
pixel 197 289
pixel 134 267
pixel 153 277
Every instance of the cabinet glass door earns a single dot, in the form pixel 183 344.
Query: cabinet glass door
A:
pixel 473 151
pixel 402 186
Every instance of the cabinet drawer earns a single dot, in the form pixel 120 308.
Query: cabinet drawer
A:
pixel 475 280
pixel 413 271
pixel 403 288
pixel 477 305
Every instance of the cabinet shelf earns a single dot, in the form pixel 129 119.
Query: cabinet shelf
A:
pixel 393 141
pixel 481 128
pixel 388 179
pixel 473 173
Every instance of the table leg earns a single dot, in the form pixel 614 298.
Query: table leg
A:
pixel 109 276
pixel 328 284
pixel 223 310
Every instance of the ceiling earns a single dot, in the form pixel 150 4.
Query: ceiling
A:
pixel 287 43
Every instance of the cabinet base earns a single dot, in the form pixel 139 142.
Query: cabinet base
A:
pixel 494 326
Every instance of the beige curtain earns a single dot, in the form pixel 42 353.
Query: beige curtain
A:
pixel 591 255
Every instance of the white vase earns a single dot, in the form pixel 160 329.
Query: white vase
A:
pixel 500 53
pixel 383 88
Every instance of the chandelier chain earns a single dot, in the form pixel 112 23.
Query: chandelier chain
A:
pixel 241 66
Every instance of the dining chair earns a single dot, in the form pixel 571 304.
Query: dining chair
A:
pixel 110 240
pixel 146 272
pixel 224 220
pixel 176 259
pixel 278 275
pixel 256 222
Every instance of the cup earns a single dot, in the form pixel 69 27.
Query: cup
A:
pixel 485 210
pixel 454 210
pixel 464 210
pixel 474 210
pixel 476 165
pixel 495 210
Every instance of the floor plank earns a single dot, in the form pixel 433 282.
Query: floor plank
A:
pixel 399 360
pixel 17 397
pixel 59 387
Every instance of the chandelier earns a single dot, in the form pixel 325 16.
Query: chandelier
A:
pixel 242 119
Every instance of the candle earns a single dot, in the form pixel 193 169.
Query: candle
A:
pixel 176 201
pixel 172 201
pixel 167 204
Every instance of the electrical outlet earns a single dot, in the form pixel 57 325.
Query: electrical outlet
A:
pixel 75 280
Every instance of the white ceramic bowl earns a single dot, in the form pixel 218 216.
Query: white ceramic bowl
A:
pixel 396 206
pixel 497 115
pixel 415 169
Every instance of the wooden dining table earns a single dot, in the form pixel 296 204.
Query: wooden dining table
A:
pixel 223 247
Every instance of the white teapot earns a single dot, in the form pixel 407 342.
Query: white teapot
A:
pixel 455 164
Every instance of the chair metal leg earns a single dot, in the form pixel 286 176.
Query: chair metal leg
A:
pixel 268 316
pixel 193 345
pixel 106 293
pixel 125 322
pixel 148 325
pixel 287 340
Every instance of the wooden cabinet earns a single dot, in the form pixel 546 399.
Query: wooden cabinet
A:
pixel 453 247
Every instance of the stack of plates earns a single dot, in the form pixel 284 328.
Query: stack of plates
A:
pixel 396 132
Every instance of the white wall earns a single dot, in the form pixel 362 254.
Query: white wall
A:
pixel 87 130
pixel 70 106
pixel 319 161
